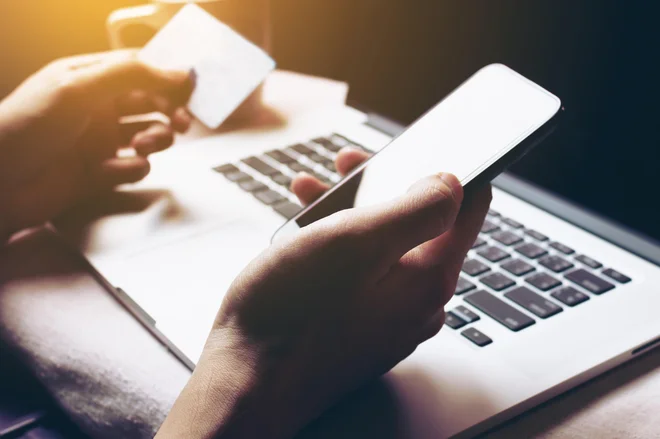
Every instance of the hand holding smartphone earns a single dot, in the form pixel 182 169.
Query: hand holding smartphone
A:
pixel 476 132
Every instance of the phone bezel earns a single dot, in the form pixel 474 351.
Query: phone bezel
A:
pixel 479 177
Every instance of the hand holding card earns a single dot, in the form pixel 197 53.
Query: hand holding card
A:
pixel 227 66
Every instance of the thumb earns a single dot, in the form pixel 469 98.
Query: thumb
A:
pixel 426 211
pixel 116 73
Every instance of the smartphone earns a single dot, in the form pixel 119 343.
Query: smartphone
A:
pixel 476 132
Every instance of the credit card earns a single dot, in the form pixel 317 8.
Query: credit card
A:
pixel 228 67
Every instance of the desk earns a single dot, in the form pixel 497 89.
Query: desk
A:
pixel 109 374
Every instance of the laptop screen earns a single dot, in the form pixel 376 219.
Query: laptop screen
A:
pixel 599 57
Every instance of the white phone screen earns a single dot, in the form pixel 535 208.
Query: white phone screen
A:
pixel 478 123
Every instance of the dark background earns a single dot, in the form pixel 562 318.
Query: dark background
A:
pixel 400 57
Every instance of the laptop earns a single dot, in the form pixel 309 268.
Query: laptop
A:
pixel 551 295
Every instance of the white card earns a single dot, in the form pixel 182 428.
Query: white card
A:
pixel 227 66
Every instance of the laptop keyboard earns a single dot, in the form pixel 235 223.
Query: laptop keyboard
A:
pixel 514 275
pixel 268 177
pixel 519 277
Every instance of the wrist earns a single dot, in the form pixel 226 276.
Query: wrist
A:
pixel 229 395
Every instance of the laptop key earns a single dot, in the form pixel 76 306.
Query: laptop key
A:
pixel 589 281
pixel 512 223
pixel 619 277
pixel 518 267
pixel 499 310
pixel 318 158
pixel 478 243
pixel 543 281
pixel 260 166
pixel 536 235
pixel 330 166
pixel 466 314
pixel 268 197
pixel 321 178
pixel 569 296
pixel 507 238
pixel 494 213
pixel 533 302
pixel 287 209
pixel 237 176
pixel 555 263
pixel 586 260
pixel 280 156
pixel 474 267
pixel 302 149
pixel 493 254
pixel 477 337
pixel 463 286
pixel 327 144
pixel 531 250
pixel 488 227
pixel 454 321
pixel 339 140
pixel 281 179
pixel 497 281
pixel 299 167
pixel 252 185
pixel 562 248
pixel 226 169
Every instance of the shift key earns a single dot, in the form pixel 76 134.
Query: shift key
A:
pixel 589 281
pixel 499 310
